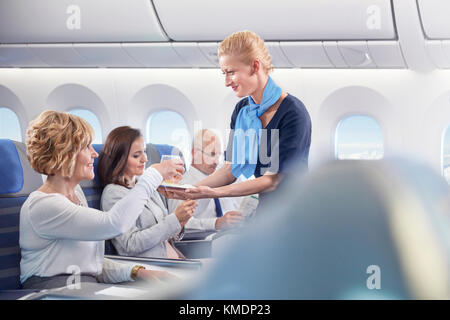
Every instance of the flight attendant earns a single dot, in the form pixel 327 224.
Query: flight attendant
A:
pixel 271 129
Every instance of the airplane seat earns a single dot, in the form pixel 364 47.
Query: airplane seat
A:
pixel 347 230
pixel 17 181
pixel 92 190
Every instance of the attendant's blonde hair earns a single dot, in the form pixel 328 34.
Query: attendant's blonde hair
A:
pixel 247 46
pixel 54 140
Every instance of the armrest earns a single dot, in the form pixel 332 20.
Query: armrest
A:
pixel 15 294
pixel 195 249
pixel 194 234
pixel 163 262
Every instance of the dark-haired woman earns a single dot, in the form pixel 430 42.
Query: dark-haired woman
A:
pixel 122 160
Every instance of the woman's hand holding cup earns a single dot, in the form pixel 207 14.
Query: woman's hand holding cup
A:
pixel 171 168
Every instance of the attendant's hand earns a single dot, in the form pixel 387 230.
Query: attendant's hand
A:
pixel 201 192
pixel 155 275
pixel 173 193
pixel 228 220
pixel 185 211
pixel 170 169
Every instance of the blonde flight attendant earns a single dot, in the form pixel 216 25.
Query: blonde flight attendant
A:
pixel 121 164
pixel 271 129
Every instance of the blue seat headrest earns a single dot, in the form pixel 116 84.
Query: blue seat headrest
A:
pixel 164 149
pixel 98 148
pixel 96 182
pixel 11 171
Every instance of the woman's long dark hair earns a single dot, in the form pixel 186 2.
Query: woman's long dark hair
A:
pixel 113 158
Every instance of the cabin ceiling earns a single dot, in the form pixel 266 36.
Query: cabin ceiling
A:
pixel 367 34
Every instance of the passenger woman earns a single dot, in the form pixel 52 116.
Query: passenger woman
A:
pixel 59 234
pixel 121 163
pixel 275 122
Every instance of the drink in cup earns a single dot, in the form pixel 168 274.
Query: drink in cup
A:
pixel 171 157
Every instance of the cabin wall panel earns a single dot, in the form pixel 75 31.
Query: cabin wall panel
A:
pixel 415 102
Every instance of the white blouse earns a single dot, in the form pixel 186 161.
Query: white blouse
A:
pixel 58 236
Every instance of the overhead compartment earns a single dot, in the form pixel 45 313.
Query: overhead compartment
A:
pixel 209 49
pixel 19 55
pixel 372 54
pixel 110 55
pixel 439 53
pixel 191 53
pixel 58 55
pixel 155 55
pixel 306 54
pixel 64 21
pixel 434 15
pixel 356 54
pixel 281 20
pixel 279 59
pixel 185 34
pixel 344 54
pixel 173 55
pixel 333 53
pixel 386 54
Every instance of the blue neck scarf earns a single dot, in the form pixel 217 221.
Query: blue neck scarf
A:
pixel 248 129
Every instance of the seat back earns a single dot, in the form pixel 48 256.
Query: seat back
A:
pixel 156 151
pixel 348 230
pixel 17 181
pixel 92 189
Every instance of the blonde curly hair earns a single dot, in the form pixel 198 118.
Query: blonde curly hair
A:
pixel 248 46
pixel 54 140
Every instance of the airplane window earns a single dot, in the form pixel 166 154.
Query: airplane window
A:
pixel 93 121
pixel 446 154
pixel 9 125
pixel 359 137
pixel 169 127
